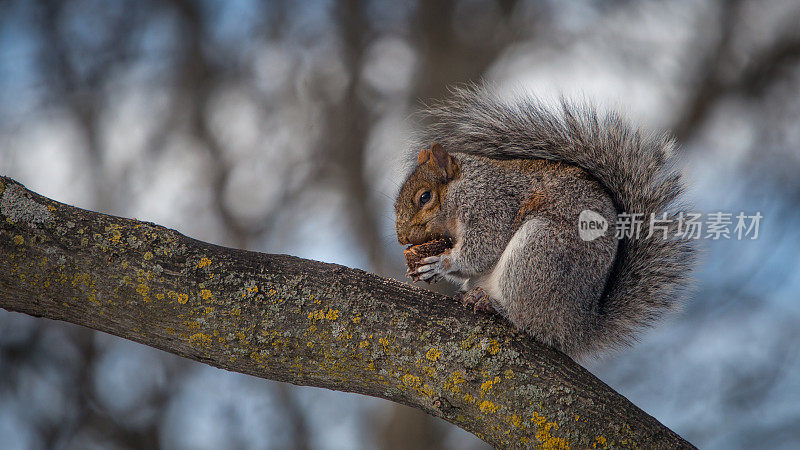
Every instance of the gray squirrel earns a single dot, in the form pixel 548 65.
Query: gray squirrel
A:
pixel 496 201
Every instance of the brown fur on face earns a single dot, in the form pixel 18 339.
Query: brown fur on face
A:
pixel 416 223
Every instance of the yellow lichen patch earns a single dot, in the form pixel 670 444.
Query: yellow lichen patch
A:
pixel 357 319
pixel 144 275
pixel 256 356
pixel 19 240
pixel 142 289
pixel 494 347
pixel 508 374
pixel 331 314
pixel 544 435
pixel 116 235
pixel 427 390
pixel 93 297
pixel 203 263
pixel 487 407
pixel 468 398
pixel 363 344
pixel 205 294
pixel 433 354
pixel 411 380
pixel 160 296
pixel 515 420
pixel 455 381
pixel 599 441
pixel 183 298
pixel 488 384
pixel 468 343
pixel 148 256
pixel 208 309
pixel 200 340
pixel 251 290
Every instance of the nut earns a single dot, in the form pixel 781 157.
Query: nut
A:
pixel 416 253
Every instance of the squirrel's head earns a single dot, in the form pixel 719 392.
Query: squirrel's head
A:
pixel 419 204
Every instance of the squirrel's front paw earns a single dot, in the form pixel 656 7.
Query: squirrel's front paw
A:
pixel 432 269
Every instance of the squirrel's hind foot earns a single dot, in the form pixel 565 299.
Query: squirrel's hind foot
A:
pixel 478 299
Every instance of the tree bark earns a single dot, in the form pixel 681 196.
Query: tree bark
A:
pixel 305 322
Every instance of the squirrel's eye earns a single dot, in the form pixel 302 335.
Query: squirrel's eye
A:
pixel 425 197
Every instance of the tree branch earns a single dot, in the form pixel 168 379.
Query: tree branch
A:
pixel 305 322
pixel 715 80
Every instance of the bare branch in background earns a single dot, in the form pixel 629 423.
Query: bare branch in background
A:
pixel 197 80
pixel 447 60
pixel 80 86
pixel 341 150
pixel 714 79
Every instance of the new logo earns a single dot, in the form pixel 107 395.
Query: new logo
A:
pixel 591 225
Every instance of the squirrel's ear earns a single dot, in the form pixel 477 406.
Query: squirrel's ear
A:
pixel 423 157
pixel 443 161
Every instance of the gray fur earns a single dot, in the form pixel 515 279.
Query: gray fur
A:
pixel 582 297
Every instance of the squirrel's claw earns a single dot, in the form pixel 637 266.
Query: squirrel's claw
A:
pixel 430 271
pixel 431 259
pixel 478 299
pixel 426 272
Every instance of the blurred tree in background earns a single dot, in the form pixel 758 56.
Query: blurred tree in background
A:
pixel 280 126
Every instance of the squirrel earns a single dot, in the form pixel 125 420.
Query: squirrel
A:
pixel 508 183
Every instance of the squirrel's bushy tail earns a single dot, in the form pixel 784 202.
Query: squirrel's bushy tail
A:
pixel 636 169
